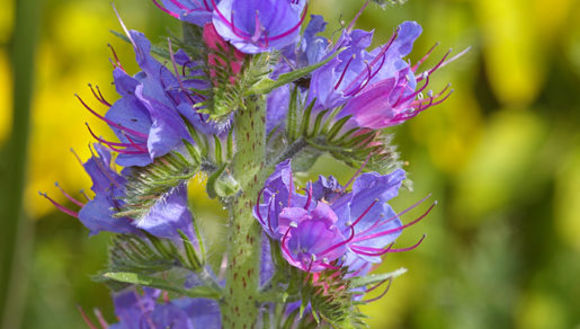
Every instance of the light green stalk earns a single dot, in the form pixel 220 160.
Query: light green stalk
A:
pixel 239 307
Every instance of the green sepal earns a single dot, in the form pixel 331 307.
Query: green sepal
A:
pixel 266 85
pixel 194 260
pixel 154 282
pixel 221 184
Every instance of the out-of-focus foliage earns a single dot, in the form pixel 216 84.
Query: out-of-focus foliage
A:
pixel 502 156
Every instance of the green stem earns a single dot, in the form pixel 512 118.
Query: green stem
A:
pixel 240 306
pixel 16 236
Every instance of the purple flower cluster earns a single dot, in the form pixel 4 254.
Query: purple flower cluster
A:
pixel 327 227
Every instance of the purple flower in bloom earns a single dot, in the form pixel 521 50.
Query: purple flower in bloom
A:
pixel 259 25
pixel 97 213
pixel 148 118
pixel 163 220
pixel 328 227
pixel 377 88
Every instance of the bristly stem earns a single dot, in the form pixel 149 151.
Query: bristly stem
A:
pixel 239 307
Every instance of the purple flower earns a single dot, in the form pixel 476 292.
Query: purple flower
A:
pixel 136 311
pixel 163 220
pixel 98 213
pixel 377 88
pixel 147 119
pixel 260 25
pixel 329 227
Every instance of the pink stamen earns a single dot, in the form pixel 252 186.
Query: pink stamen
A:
pixel 309 200
pixel 167 11
pixel 258 206
pixel 117 62
pixel 86 318
pixel 397 229
pixel 382 294
pixel 73 200
pixel 284 247
pixel 113 145
pixel 383 222
pixel 59 206
pixel 338 245
pixel 343 73
pixel 101 319
pixel 424 58
pixel 99 97
pixel 351 25
pixel 357 172
pixel 116 125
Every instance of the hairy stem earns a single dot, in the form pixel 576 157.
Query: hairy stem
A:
pixel 240 307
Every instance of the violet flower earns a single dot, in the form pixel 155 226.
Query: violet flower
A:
pixel 147 119
pixel 165 219
pixel 260 25
pixel 328 227
pixel 198 12
pixel 377 88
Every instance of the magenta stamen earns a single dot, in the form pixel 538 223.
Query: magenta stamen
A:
pixel 99 97
pixel 440 62
pixel 284 247
pixel 351 25
pixel 379 223
pixel 413 95
pixel 357 172
pixel 101 319
pixel 409 248
pixel 424 58
pixel 176 71
pixel 294 28
pixel 364 213
pixel 269 219
pixel 328 266
pixel 258 206
pixel 116 125
pixel 167 11
pixel 376 286
pixel 114 146
pixel 338 245
pixel 343 73
pixel 382 294
pixel 309 200
pixel 139 146
pixel 364 83
pixel 117 61
pixel 374 61
pixel 77 156
pixel 397 229
pixel 86 318
pixel 85 195
pixel 59 206
pixel 73 200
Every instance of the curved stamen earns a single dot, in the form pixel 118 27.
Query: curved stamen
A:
pixel 309 200
pixel 283 244
pixel 59 206
pixel 116 125
pixel 167 11
pixel 111 145
pixel 424 58
pixel 73 200
pixel 343 72
pixel 99 97
pixel 258 206
pixel 397 229
pixel 338 245
pixel 382 294
pixel 86 318
pixel 373 252
pixel 385 221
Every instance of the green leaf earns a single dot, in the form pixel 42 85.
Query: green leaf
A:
pixel 154 282
pixel 266 85
pixel 376 278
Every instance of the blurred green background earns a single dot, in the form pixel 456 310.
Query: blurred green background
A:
pixel 502 156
